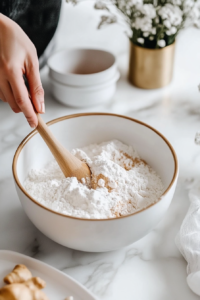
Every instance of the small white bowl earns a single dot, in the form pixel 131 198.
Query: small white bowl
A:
pixel 80 130
pixel 84 96
pixel 82 67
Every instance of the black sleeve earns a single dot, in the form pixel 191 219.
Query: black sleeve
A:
pixel 13 8
pixel 38 19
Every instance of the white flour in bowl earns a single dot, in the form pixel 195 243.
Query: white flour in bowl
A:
pixel 121 184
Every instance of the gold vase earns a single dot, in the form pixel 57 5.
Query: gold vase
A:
pixel 151 68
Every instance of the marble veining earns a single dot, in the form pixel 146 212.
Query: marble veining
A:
pixel 152 268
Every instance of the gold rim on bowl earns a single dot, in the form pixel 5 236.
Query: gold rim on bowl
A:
pixel 30 135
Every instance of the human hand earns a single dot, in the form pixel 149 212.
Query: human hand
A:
pixel 18 57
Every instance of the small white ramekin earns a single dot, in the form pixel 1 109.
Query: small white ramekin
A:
pixel 84 96
pixel 82 67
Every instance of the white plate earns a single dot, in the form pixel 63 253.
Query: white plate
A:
pixel 58 285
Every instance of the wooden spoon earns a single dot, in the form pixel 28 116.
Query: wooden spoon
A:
pixel 70 165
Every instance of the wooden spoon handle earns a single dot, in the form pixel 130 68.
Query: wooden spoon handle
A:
pixel 67 162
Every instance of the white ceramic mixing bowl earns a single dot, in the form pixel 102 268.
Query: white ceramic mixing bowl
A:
pixel 80 130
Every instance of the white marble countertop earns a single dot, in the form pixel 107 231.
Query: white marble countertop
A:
pixel 152 268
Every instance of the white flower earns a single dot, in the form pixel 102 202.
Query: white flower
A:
pixel 140 40
pixel 168 15
pixel 176 21
pixel 167 23
pixel 146 34
pixel 171 13
pixel 171 31
pixel 135 2
pixel 145 24
pixel 177 2
pixel 187 6
pixel 148 10
pixel 161 43
pixel 195 13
